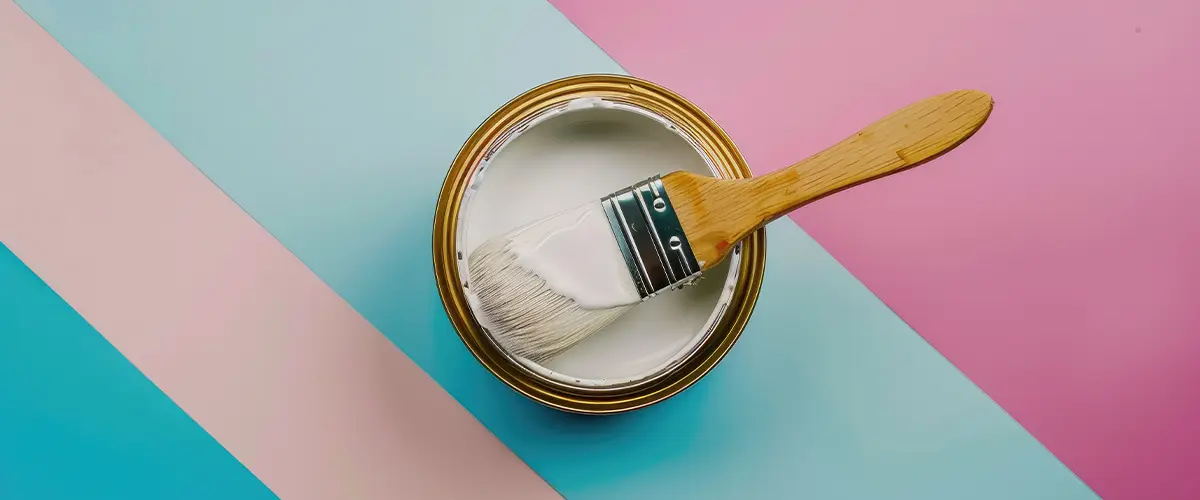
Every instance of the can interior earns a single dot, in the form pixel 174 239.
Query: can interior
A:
pixel 572 154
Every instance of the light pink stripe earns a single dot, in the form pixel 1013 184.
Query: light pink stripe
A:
pixel 249 342
pixel 1055 257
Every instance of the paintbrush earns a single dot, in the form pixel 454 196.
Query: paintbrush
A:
pixel 545 286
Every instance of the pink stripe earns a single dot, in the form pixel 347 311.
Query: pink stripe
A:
pixel 1053 258
pixel 278 368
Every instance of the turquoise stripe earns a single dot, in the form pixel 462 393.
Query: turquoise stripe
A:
pixel 332 123
pixel 78 421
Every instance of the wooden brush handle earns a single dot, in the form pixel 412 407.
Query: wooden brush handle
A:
pixel 716 213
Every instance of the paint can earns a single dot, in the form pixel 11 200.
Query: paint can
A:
pixel 565 143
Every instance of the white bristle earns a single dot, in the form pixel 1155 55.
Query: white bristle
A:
pixel 546 286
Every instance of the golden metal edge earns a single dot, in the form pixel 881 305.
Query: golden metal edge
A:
pixel 726 158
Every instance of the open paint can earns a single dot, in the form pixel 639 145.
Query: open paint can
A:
pixel 563 144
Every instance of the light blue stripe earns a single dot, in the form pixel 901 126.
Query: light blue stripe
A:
pixel 78 421
pixel 333 122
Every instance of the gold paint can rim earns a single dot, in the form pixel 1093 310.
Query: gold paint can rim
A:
pixel 725 158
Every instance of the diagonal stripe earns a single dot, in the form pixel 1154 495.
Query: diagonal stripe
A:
pixel 78 421
pixel 332 123
pixel 1053 257
pixel 218 314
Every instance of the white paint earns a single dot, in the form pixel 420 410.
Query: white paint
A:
pixel 588 102
pixel 578 153
pixel 577 255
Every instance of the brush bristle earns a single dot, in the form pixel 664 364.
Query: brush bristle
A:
pixel 543 287
pixel 522 312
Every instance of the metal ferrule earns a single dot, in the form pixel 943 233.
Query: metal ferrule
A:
pixel 651 238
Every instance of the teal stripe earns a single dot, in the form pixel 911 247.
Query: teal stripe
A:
pixel 78 421
pixel 332 123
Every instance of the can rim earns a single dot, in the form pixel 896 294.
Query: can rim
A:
pixel 716 144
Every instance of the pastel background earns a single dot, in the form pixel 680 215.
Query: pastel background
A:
pixel 79 421
pixel 238 197
pixel 283 373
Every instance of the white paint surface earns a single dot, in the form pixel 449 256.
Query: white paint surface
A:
pixel 565 160
pixel 577 255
